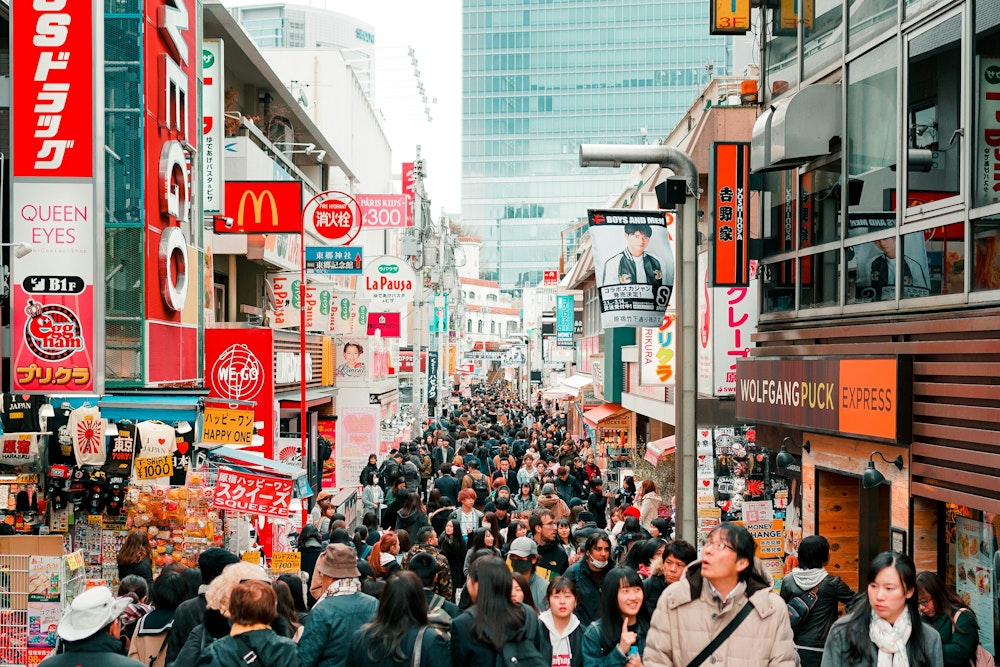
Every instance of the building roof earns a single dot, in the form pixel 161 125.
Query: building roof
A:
pixel 480 282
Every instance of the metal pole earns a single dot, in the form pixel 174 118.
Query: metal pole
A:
pixel 687 382
pixel 419 292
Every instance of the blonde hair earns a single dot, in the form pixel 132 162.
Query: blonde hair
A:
pixel 222 586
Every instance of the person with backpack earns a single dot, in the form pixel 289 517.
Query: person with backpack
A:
pixel 495 630
pixel 152 632
pixel 589 574
pixel 618 637
pixel 723 607
pixel 400 635
pixel 191 613
pixel 813 597
pixel 942 609
pixel 390 469
pixel 478 482
pixel 440 610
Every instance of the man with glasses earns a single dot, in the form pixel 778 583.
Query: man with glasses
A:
pixel 633 265
pixel 714 592
pixel 552 559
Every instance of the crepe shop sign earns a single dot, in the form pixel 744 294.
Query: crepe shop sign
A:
pixel 254 494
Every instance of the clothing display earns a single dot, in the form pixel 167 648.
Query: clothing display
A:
pixel 87 431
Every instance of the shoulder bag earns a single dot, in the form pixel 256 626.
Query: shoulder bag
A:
pixel 982 658
pixel 417 646
pixel 722 636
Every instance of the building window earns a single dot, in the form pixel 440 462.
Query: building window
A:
pixel 819 210
pixel 778 286
pixel 492 297
pixel 480 327
pixel 820 280
pixel 493 327
pixel 986 254
pixel 780 212
pixel 472 296
pixel 468 326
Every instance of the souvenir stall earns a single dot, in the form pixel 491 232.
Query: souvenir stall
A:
pixel 613 436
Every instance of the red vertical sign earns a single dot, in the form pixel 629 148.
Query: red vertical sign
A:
pixel 409 189
pixel 239 366
pixel 730 173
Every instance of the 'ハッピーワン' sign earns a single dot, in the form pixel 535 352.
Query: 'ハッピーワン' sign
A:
pixel 856 396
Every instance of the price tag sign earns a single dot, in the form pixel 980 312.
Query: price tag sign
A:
pixel 286 561
pixel 74 561
pixel 154 467
pixel 95 520
pixel 251 557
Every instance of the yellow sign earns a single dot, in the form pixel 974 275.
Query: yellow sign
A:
pixel 787 21
pixel 74 561
pixel 154 467
pixel 770 538
pixel 730 17
pixel 251 557
pixel 286 561
pixel 227 427
pixel 257 201
pixel 95 520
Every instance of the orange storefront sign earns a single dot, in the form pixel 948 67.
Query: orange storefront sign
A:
pixel 261 207
pixel 730 247
pixel 868 397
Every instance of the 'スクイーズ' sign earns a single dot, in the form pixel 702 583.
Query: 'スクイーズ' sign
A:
pixel 254 494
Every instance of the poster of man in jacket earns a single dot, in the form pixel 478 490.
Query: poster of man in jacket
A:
pixel 633 265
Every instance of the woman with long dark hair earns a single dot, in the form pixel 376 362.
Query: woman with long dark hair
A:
pixel 412 517
pixel 563 643
pixel 957 625
pixel 479 634
pixel 391 639
pixel 481 539
pixel 451 543
pixel 619 636
pixel 884 629
pixel 298 590
pixel 520 592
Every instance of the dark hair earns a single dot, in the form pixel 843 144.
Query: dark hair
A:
pixel 491 518
pixel 424 534
pixel 402 606
pixel 253 602
pixel 631 525
pixel 594 538
pixel 494 614
pixel 535 519
pixel 561 584
pixel 611 618
pixel 645 230
pixel 133 586
pixel 814 551
pixel 453 547
pixel 286 602
pixel 946 601
pixel 373 587
pixel 295 587
pixel 425 566
pixel 643 551
pixel 340 536
pixel 357 346
pixel 192 577
pixel 741 541
pixel 135 548
pixel 522 582
pixel 369 521
pixel 309 531
pixel 857 643
pixel 663 526
pixel 681 550
pixel 360 536
pixel 478 540
pixel 169 590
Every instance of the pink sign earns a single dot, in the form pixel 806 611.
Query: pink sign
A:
pixel 386 323
pixel 384 211
pixel 254 494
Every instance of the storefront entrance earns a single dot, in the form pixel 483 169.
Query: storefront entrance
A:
pixel 855 520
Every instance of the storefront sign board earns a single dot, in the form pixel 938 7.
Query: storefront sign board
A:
pixel 227 427
pixel 262 495
pixel 286 561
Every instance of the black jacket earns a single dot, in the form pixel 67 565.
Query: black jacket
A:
pixel 569 488
pixel 597 505
pixel 553 558
pixel 188 616
pixel 588 591
pixel 434 651
pixel 575 643
pixel 366 474
pixel 815 628
pixel 653 588
pixel 468 651
pixel 143 568
pixel 449 487
pixel 101 649
pixel 440 456
pixel 411 523
pixel 272 649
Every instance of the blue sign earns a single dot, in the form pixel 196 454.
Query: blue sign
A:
pixel 564 320
pixel 343 260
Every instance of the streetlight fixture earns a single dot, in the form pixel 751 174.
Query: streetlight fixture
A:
pixel 21 249
pixel 615 155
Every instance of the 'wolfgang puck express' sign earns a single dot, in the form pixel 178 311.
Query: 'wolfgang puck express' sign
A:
pixel 862 396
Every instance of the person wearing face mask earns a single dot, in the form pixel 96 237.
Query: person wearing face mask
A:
pixel 521 558
pixel 588 575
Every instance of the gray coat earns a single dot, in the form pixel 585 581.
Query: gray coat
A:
pixel 835 653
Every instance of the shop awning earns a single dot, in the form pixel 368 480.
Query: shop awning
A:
pixel 555 393
pixel 603 413
pixel 577 382
pixel 255 463
pixel 140 407
pixel 657 449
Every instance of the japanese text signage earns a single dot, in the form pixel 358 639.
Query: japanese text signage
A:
pixel 54 51
pixel 286 561
pixel 242 370
pixel 334 216
pixel 730 260
pixel 154 467
pixel 254 494
pixel 384 211
pixel 550 278
pixel 987 156
pixel 432 371
pixel 657 353
pixel 389 282
pixel 409 189
pixel 212 125
pixel 227 427
pixel 727 320
pixel 387 324
pixel 564 320
pixel 856 396
pixel 333 260
pixel 262 207
pixel 730 17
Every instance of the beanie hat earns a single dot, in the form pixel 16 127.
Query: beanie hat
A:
pixel 212 561
pixel 632 511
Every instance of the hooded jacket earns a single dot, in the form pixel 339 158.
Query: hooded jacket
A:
pixel 555 504
pixel 812 632
pixel 151 637
pixel 411 522
pixel 589 586
pixel 568 642
pixel 689 615
pixel 229 651
pixel 649 509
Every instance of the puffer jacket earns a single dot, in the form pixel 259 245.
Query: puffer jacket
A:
pixel 337 616
pixel 689 615
pixel 649 509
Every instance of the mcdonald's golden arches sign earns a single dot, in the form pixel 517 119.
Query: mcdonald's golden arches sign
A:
pixel 261 207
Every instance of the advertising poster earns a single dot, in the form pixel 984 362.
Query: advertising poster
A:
pixel 975 578
pixel 327 431
pixel 357 437
pixel 564 320
pixel 633 265
pixel 877 264
pixel 657 353
pixel 212 105
pixel 986 157
pixel 354 361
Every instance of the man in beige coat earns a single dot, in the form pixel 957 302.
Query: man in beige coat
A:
pixel 711 593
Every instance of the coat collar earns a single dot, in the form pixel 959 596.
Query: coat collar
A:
pixel 692 585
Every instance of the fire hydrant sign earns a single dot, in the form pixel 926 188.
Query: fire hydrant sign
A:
pixel 228 427
pixel 254 494
pixel 286 561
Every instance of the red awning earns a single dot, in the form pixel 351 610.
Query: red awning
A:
pixel 603 413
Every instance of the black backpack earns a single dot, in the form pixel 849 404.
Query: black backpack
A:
pixel 523 652
pixel 481 487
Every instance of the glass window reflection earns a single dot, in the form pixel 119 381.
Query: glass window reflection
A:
pixel 819 210
pixel 986 254
pixel 820 280
pixel 778 286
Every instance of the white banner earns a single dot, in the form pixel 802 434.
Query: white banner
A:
pixel 213 125
pixel 657 353
pixel 724 336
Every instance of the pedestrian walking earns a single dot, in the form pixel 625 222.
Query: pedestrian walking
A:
pixel 135 557
pixel 589 574
pixel 191 613
pixel 562 645
pixel 942 609
pixel 150 640
pixel 676 556
pixel 90 634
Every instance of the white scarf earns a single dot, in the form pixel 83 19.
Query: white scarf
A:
pixel 891 639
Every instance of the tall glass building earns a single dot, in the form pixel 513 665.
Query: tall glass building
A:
pixel 541 77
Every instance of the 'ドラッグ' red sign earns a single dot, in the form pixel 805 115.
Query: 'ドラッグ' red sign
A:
pixel 254 494
pixel 261 207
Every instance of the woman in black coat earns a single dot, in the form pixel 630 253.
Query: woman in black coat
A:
pixel 391 639
pixel 135 557
pixel 310 545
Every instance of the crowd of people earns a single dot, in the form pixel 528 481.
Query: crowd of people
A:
pixel 493 540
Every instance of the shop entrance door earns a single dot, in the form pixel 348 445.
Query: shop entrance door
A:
pixel 854 520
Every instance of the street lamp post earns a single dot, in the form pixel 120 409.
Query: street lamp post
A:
pixel 614 155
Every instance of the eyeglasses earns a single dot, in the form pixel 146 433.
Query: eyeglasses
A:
pixel 923 602
pixel 718 546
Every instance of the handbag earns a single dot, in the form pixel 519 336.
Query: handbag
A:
pixel 800 605
pixel 417 645
pixel 722 636
pixel 982 658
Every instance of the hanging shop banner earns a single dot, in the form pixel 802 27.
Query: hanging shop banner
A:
pixel 657 353
pixel 239 366
pixel 350 314
pixel 432 379
pixel 54 54
pixel 389 282
pixel 634 265
pixel 515 357
pixel 729 175
pixel 729 17
pixel 384 211
pixel 987 156
pixel 262 495
pixel 409 184
pixel 357 437
pixel 225 426
pixel 342 261
pixel 261 207
pixel 334 216
pixel 212 126
pixel 354 361
pixel 726 321
pixel 326 434
pixel 564 320
pixel 387 324
pixel 839 395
